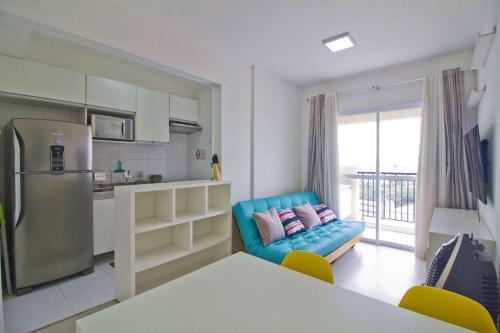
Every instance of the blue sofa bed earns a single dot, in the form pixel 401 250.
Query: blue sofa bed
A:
pixel 330 240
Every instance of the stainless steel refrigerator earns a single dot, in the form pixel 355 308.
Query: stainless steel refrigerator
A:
pixel 49 200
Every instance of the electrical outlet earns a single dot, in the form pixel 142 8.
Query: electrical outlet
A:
pixel 100 176
pixel 201 154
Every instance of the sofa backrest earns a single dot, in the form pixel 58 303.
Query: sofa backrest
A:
pixel 243 212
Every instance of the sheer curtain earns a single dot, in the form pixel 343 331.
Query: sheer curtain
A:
pixel 323 168
pixel 431 161
pixel 442 179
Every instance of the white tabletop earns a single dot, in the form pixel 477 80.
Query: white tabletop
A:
pixel 450 221
pixel 242 293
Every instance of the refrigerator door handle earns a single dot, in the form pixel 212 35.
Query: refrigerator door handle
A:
pixel 19 207
pixel 18 181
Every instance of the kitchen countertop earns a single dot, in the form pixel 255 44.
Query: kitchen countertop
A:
pixel 106 191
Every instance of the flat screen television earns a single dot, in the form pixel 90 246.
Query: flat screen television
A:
pixel 476 157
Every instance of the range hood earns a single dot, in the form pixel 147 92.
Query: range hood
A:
pixel 184 126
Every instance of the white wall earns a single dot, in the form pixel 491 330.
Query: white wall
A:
pixel 276 136
pixel 380 77
pixel 203 140
pixel 124 33
pixel 489 128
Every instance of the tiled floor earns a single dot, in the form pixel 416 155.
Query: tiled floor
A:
pixel 379 272
pixel 59 300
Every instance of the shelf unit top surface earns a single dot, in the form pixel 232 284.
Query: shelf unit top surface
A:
pixel 170 186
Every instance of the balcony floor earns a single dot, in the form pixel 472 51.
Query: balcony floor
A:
pixel 390 236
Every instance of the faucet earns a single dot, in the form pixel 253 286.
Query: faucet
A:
pixel 127 174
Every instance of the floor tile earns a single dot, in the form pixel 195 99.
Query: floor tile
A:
pixel 39 308
pixel 88 291
pixel 103 262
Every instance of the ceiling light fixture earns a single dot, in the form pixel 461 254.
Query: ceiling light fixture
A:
pixel 339 42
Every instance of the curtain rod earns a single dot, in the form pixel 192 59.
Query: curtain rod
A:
pixel 378 87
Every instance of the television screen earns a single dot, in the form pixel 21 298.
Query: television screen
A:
pixel 476 163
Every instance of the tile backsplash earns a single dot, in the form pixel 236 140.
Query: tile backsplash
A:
pixel 169 160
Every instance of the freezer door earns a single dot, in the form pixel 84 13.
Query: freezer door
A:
pixel 53 237
pixel 39 140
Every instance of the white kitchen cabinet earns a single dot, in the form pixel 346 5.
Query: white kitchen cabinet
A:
pixel 184 108
pixel 162 117
pixel 145 115
pixel 103 226
pixel 111 94
pixel 31 79
pixel 152 117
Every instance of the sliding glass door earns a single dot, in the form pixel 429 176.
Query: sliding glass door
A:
pixel 358 167
pixel 378 157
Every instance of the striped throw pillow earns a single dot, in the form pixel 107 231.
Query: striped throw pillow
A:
pixel 326 215
pixel 291 222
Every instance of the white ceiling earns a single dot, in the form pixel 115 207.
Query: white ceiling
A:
pixel 284 36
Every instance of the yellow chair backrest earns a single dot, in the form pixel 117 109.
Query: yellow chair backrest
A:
pixel 309 263
pixel 448 306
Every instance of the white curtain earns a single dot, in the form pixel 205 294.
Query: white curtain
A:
pixel 332 172
pixel 431 177
pixel 323 168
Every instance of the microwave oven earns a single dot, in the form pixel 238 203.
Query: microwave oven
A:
pixel 111 127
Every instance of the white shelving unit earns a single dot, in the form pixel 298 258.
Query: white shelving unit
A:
pixel 475 97
pixel 482 49
pixel 163 231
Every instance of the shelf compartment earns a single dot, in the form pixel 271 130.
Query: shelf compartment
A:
pixel 219 197
pixel 162 274
pixel 190 203
pixel 161 246
pixel 150 224
pixel 153 210
pixel 215 212
pixel 211 231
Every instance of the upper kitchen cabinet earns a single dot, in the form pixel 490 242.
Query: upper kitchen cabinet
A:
pixel 37 80
pixel 111 94
pixel 152 117
pixel 162 122
pixel 186 109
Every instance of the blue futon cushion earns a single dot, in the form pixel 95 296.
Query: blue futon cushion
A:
pixel 321 239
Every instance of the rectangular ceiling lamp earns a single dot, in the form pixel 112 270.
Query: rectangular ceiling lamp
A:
pixel 339 42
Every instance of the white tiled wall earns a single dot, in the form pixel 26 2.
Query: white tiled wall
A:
pixel 171 161
pixel 200 169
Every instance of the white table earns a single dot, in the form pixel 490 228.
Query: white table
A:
pixel 448 222
pixel 243 294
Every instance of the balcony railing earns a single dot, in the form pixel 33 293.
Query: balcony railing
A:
pixel 397 195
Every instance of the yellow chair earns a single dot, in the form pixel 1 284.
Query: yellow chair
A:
pixel 309 263
pixel 448 306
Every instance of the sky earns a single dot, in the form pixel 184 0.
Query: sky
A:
pixel 399 141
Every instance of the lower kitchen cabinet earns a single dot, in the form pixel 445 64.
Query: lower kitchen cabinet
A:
pixel 103 226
